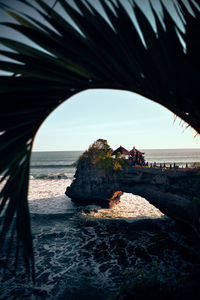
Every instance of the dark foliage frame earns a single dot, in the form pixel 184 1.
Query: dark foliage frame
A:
pixel 100 54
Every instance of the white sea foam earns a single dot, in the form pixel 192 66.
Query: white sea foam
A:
pixel 50 195
pixel 47 188
pixel 77 252
pixel 129 207
pixel 49 198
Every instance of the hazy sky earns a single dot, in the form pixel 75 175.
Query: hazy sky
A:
pixel 123 118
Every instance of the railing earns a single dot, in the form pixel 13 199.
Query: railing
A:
pixel 168 166
pixel 161 165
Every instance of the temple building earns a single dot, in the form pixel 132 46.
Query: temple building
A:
pixel 124 153
pixel 137 157
pixel 134 156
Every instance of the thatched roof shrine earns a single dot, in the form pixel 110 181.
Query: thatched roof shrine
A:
pixel 121 150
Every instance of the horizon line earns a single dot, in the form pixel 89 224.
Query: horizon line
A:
pixel 140 148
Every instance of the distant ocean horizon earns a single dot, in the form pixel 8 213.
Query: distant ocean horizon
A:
pixel 61 164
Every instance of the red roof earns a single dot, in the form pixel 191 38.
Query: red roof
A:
pixel 121 150
pixel 134 151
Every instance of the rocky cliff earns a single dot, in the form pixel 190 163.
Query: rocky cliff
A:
pixel 175 192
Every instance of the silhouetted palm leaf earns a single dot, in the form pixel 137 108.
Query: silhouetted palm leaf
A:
pixel 100 54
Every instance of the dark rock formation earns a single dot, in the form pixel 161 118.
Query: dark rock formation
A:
pixel 174 192
pixel 93 185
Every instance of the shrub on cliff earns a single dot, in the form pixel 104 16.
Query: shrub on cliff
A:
pixel 110 164
pixel 96 152
pixel 99 153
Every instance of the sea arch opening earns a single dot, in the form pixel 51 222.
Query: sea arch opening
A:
pixel 130 207
pixel 122 118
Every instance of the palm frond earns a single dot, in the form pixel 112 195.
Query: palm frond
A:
pixel 65 61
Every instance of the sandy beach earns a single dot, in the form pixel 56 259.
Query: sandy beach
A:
pixel 47 188
pixel 130 206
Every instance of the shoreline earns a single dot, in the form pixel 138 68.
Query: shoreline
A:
pixel 47 188
pixel 52 192
pixel 147 253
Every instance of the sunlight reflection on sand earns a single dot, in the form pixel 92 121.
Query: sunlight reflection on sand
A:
pixel 130 206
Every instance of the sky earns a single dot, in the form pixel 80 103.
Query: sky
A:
pixel 121 117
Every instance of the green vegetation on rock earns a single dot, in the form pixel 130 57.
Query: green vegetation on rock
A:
pixel 100 154
pixel 165 279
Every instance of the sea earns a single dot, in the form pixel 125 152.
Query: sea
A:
pixel 62 163
pixel 82 252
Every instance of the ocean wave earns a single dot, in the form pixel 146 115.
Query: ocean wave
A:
pixel 54 166
pixel 50 176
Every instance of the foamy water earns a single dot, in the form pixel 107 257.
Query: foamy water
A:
pixel 81 250
pixel 130 206
pixel 47 188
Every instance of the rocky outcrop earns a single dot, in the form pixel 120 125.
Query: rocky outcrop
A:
pixel 93 185
pixel 174 192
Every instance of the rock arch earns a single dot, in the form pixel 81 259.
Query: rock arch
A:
pixel 173 192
